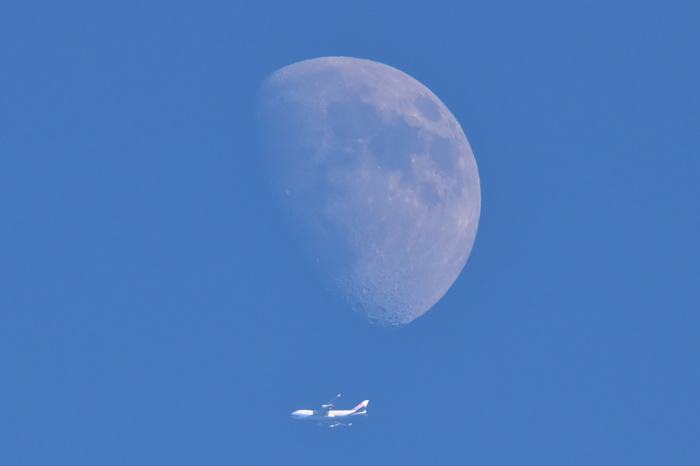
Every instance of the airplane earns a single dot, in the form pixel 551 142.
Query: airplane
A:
pixel 330 415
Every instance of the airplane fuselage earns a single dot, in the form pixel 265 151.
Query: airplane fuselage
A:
pixel 333 415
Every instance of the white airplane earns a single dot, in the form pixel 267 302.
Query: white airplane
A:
pixel 328 414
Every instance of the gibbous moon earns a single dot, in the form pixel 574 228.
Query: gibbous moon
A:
pixel 377 176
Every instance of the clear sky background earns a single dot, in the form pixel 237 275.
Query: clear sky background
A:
pixel 154 309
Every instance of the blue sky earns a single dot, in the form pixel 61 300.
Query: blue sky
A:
pixel 154 309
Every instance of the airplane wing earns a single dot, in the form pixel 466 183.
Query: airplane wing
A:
pixel 328 406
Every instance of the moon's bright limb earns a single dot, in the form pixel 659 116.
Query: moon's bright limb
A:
pixel 380 178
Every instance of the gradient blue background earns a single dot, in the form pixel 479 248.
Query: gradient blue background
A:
pixel 154 309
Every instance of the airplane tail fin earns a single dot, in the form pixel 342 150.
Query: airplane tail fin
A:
pixel 361 408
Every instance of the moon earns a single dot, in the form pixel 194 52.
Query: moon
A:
pixel 377 177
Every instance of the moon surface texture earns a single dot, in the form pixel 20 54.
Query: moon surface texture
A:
pixel 377 177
